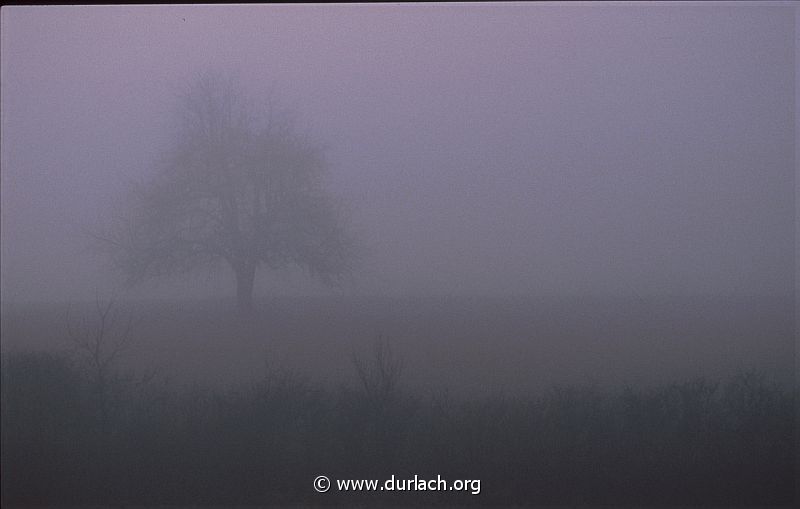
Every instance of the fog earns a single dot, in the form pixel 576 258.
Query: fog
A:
pixel 482 149
pixel 501 242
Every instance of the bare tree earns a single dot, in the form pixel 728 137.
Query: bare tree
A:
pixel 379 375
pixel 98 339
pixel 239 185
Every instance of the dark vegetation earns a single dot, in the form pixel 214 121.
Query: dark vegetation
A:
pixel 70 437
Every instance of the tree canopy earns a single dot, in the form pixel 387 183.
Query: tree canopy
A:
pixel 239 184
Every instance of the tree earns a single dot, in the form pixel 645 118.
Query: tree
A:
pixel 240 185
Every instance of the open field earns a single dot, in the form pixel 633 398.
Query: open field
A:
pixel 590 402
pixel 69 439
pixel 468 345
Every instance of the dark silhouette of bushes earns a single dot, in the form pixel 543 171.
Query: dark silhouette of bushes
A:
pixel 697 442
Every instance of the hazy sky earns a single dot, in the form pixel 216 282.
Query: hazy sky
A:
pixel 516 148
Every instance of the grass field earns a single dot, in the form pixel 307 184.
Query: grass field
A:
pixel 471 346
pixel 546 402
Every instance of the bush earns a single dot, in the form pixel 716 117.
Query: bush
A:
pixel 698 442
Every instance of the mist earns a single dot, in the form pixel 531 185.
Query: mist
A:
pixel 483 150
pixel 541 195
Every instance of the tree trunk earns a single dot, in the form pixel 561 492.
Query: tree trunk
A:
pixel 245 277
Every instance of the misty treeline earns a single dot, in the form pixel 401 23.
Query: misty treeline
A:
pixel 78 429
pixel 240 183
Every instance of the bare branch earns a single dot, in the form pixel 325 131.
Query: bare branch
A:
pixel 238 184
